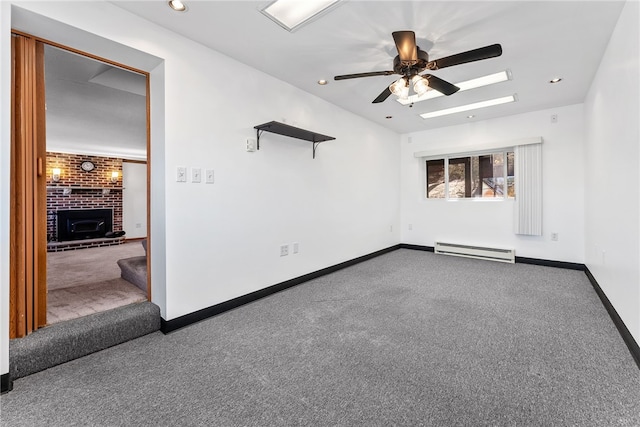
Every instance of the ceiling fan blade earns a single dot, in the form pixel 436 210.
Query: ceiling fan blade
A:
pixel 383 96
pixel 464 57
pixel 406 45
pixel 442 86
pixel 358 75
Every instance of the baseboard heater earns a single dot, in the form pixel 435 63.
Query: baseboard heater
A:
pixel 493 254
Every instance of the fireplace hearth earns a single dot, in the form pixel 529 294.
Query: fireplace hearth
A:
pixel 80 224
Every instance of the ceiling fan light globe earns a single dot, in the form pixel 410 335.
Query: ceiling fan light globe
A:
pixel 420 85
pixel 397 86
pixel 400 88
pixel 404 93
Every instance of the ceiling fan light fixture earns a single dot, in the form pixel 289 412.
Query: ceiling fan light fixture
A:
pixel 420 84
pixel 400 88
pixel 468 107
pixel 177 5
pixel 291 14
pixel 487 80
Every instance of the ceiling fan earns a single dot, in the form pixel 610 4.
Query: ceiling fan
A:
pixel 411 61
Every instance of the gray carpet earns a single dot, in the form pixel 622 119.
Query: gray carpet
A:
pixel 408 338
pixel 76 338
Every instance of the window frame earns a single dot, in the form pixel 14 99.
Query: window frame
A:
pixel 446 157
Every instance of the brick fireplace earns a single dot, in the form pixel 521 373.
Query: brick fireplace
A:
pixel 81 190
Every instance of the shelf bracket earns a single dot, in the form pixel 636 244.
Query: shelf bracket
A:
pixel 315 145
pixel 258 133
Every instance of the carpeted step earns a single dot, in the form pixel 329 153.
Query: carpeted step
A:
pixel 65 341
pixel 134 270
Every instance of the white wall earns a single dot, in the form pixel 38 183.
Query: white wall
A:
pixel 214 242
pixel 5 170
pixel 134 199
pixel 490 223
pixel 612 250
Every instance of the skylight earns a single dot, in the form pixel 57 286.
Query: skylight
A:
pixel 467 107
pixel 291 14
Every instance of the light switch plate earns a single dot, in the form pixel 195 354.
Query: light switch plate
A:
pixel 196 175
pixel 209 176
pixel 181 174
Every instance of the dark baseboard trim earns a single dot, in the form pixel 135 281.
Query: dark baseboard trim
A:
pixel 417 247
pixel 6 385
pixel 631 343
pixel 549 263
pixel 167 326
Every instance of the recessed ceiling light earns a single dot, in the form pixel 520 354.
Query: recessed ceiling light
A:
pixel 556 80
pixel 177 5
pixel 474 106
pixel 322 82
pixel 291 14
pixel 470 116
pixel 466 85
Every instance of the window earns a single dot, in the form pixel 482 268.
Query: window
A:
pixel 435 179
pixel 489 175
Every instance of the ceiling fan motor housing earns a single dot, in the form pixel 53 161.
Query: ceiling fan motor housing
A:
pixel 410 68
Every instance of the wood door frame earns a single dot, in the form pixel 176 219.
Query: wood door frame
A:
pixel 28 242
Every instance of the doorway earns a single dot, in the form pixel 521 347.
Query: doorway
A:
pixel 97 121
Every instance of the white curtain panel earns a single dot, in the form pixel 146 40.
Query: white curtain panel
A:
pixel 528 172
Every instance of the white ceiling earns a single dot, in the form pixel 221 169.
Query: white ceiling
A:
pixel 93 108
pixel 540 40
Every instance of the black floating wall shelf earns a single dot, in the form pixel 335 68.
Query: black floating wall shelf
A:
pixel 293 132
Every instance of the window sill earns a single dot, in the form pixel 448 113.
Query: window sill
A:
pixel 474 200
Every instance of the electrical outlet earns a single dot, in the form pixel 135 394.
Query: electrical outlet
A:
pixel 296 247
pixel 181 174
pixel 284 250
pixel 554 118
pixel 251 145
pixel 554 237
pixel 410 226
